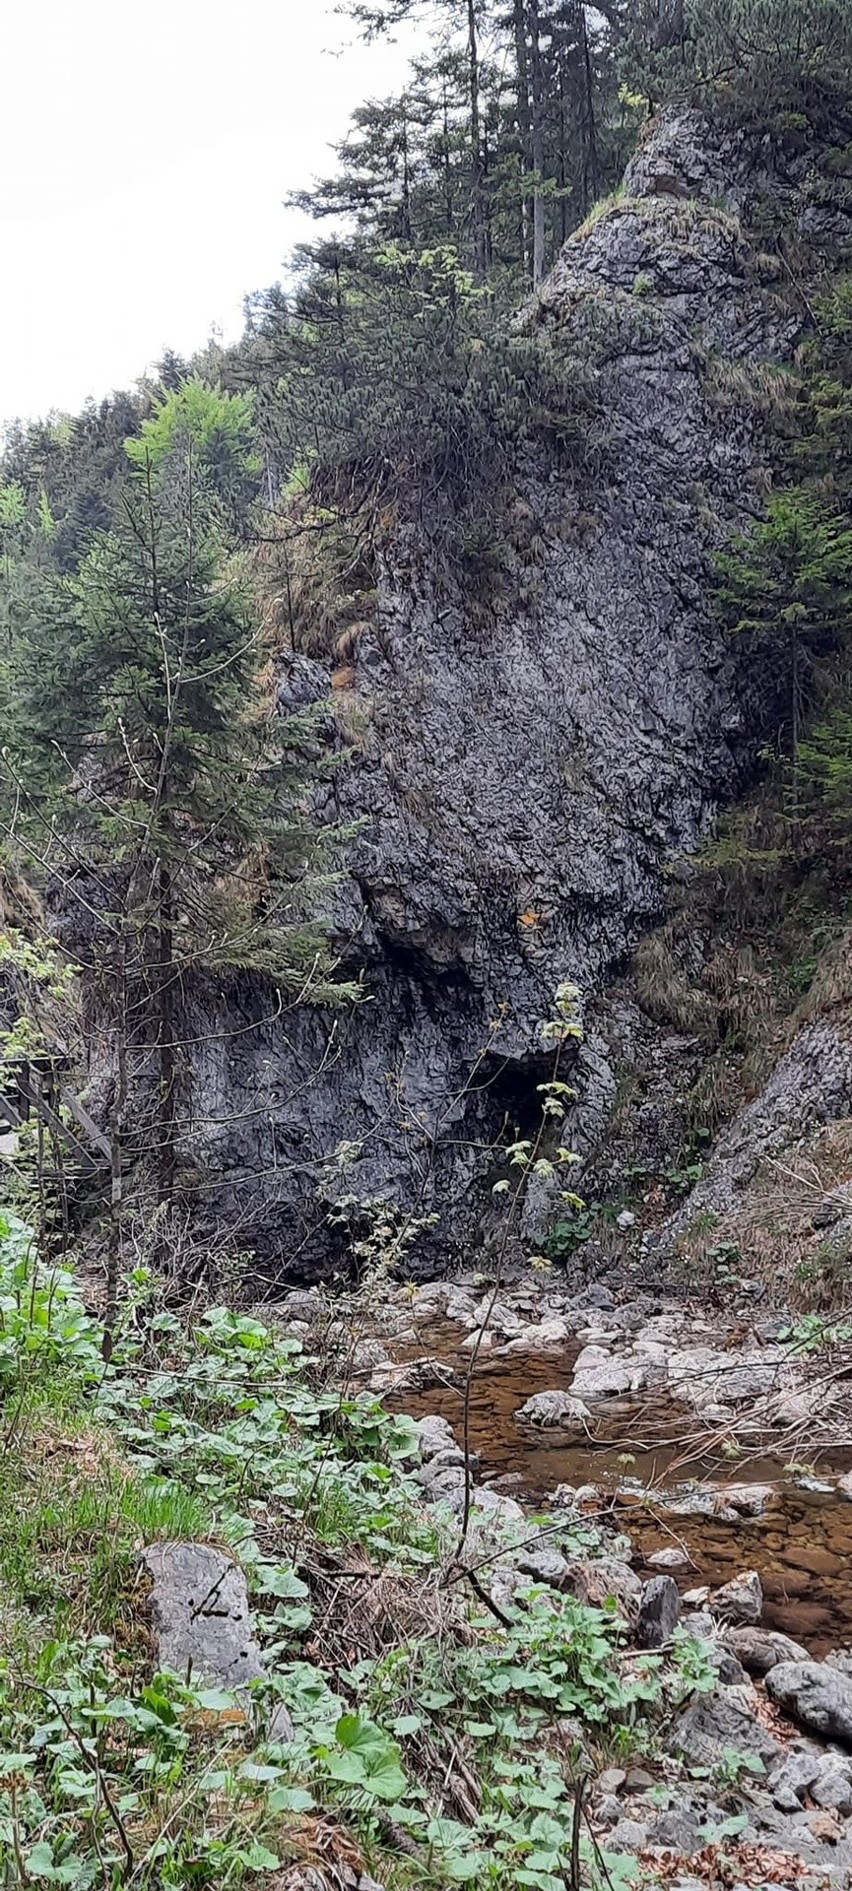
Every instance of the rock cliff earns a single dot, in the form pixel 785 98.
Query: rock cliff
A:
pixel 527 778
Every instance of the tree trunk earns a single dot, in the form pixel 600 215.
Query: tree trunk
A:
pixel 590 131
pixel 476 172
pixel 524 128
pixel 116 1143
pixel 166 1044
pixel 537 144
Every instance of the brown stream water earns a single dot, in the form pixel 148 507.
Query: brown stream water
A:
pixel 801 1546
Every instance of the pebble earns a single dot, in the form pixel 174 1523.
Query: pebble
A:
pixel 671 1558
pixel 612 1780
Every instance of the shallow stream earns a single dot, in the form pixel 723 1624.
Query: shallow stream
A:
pixel 801 1545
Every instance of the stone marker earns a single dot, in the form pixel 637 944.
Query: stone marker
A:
pixel 201 1618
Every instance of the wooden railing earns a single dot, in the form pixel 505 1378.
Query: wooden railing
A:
pixel 37 1087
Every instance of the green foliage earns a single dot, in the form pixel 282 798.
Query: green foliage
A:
pixel 825 759
pixel 777 65
pixel 788 586
pixel 217 1431
pixel 213 429
pixel 395 387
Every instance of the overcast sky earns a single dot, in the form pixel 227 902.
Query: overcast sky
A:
pixel 147 149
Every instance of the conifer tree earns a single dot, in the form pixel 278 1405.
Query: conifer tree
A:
pixel 160 790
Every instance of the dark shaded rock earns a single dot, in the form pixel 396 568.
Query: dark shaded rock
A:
pixel 760 1649
pixel 677 1830
pixel 546 1565
pixel 659 1611
pixel 814 1694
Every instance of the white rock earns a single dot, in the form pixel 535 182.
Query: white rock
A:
pixel 590 1357
pixel 554 1409
pixel 436 1435
pixel 671 1558
pixel 604 1381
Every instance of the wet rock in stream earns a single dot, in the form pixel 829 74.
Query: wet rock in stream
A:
pixel 554 1410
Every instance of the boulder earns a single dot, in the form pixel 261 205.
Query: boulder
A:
pixel 716 1724
pixel 554 1409
pixel 435 1434
pixel 832 1789
pixel 599 1296
pixel 546 1565
pixel 659 1610
pixel 367 1354
pixel 677 1830
pixel 741 1600
pixel 746 1500
pixel 816 1695
pixel 202 1622
pixel 760 1649
pixel 792 1778
pixel 603 1381
pixel 540 1337
pixel 600 1580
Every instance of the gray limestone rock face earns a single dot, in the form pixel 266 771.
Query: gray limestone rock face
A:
pixel 527 783
pixel 202 1621
pixel 811 1085
pixel 814 1694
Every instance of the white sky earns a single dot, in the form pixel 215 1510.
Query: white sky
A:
pixel 148 145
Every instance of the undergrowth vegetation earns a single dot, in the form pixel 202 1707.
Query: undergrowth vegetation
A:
pixel 432 1743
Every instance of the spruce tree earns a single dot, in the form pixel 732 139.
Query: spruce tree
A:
pixel 159 789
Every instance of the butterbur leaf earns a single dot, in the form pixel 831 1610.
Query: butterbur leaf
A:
pixel 290 1799
pixel 274 1579
pixel 348 1768
pixel 259 1858
pixel 39 1861
pixel 359 1736
pixel 386 1782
